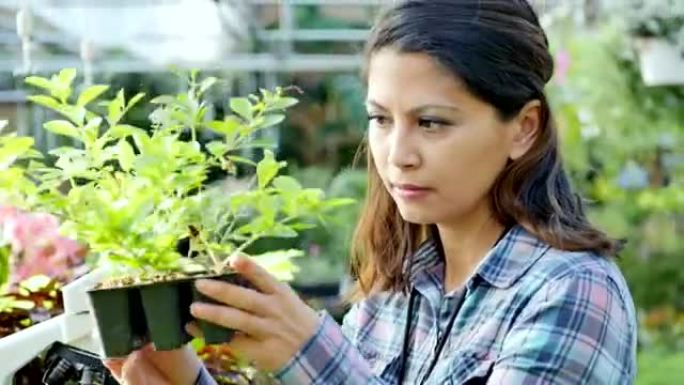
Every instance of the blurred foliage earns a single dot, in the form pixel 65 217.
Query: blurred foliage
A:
pixel 657 18
pixel 327 127
pixel 656 368
pixel 327 247
pixel 622 143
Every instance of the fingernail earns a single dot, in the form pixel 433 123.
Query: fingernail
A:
pixel 202 284
pixel 233 259
pixel 195 308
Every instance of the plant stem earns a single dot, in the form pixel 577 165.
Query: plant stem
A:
pixel 228 230
pixel 239 250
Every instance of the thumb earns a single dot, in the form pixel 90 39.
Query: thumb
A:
pixel 114 366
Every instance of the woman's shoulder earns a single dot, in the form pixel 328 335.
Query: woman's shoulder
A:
pixel 558 265
pixel 581 281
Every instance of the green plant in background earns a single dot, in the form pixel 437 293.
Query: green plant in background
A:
pixel 622 142
pixel 131 195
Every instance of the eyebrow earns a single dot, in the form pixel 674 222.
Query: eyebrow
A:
pixel 416 110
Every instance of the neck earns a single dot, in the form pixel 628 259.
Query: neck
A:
pixel 465 243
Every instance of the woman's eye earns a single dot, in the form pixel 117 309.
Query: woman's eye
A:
pixel 431 124
pixel 378 120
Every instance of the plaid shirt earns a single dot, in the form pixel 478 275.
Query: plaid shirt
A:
pixel 531 315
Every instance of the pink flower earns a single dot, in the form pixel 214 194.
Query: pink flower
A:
pixel 37 246
pixel 563 61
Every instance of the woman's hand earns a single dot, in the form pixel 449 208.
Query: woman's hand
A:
pixel 272 323
pixel 149 367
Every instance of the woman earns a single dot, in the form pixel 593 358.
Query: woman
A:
pixel 474 259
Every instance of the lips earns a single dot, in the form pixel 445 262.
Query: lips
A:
pixel 410 191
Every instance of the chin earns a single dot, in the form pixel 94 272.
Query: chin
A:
pixel 417 216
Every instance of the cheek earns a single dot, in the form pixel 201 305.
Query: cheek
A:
pixel 378 151
pixel 468 167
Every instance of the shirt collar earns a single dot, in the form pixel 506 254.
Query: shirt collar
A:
pixel 503 265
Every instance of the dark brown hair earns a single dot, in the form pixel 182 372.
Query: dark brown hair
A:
pixel 500 52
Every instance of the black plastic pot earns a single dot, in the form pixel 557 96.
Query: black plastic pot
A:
pixel 167 311
pixel 120 320
pixel 130 317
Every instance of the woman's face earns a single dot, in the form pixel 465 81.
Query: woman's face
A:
pixel 437 148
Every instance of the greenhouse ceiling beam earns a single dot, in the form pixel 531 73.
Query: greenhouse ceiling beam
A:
pixel 243 62
pixel 322 2
pixel 344 35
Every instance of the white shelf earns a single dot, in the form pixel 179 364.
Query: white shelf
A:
pixel 75 327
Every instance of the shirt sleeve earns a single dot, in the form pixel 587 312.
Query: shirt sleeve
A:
pixel 329 357
pixel 579 330
pixel 204 378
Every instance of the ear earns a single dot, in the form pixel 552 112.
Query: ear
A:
pixel 526 127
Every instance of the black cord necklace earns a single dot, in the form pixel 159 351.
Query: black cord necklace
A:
pixel 441 341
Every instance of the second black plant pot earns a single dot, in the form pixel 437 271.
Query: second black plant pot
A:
pixel 216 334
pixel 167 311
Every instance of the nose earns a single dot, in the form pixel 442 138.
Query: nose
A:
pixel 403 148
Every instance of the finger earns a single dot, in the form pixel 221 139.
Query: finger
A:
pixel 114 366
pixel 233 295
pixel 254 273
pixel 137 370
pixel 194 330
pixel 230 318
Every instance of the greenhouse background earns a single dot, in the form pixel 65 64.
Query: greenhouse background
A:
pixel 618 95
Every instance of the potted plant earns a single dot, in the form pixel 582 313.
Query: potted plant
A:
pixel 131 195
pixel 658 26
pixel 35 263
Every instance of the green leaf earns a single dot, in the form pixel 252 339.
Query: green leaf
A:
pixel 134 100
pixel 267 169
pixel 62 84
pixel 217 148
pixel 242 107
pixel 62 127
pixel 279 263
pixel 126 155
pixel 115 108
pixel 66 76
pixel 45 101
pixel 302 226
pixel 287 183
pixel 207 84
pixel 265 143
pixel 282 103
pixel 92 129
pixel 271 120
pixel 36 283
pixel 91 93
pixel 13 148
pixel 23 305
pixel 75 113
pixel 163 99
pixel 227 127
pixel 124 130
pixel 240 159
pixel 4 265
pixel 40 82
pixel 338 202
